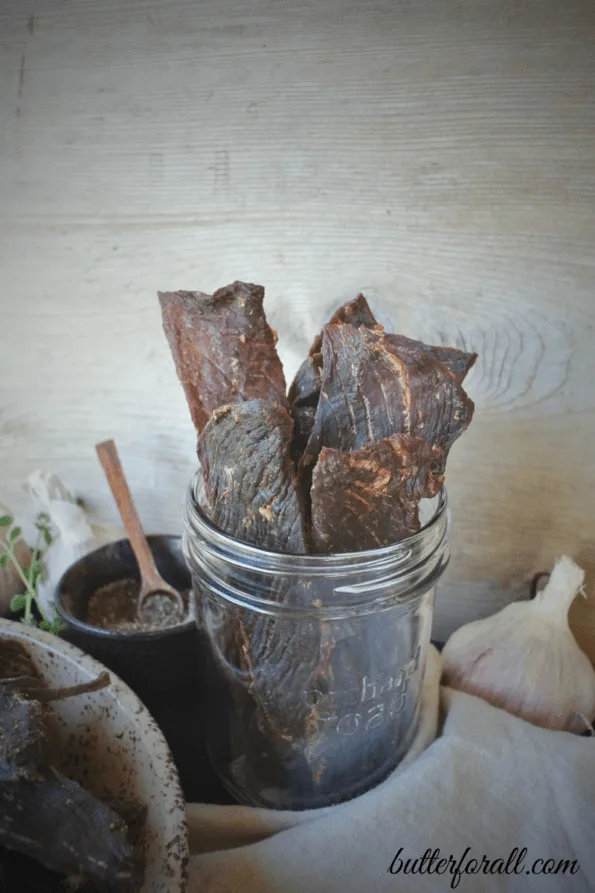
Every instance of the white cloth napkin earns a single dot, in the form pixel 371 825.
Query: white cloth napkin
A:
pixel 490 786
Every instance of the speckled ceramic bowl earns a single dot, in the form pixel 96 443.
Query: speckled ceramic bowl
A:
pixel 112 746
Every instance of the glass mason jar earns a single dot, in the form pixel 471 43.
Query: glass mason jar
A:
pixel 315 662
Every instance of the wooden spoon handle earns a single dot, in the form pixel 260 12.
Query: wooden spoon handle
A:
pixel 108 456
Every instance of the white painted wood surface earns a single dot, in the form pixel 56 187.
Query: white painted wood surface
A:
pixel 438 155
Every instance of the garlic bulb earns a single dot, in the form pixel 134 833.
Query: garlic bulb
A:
pixel 526 660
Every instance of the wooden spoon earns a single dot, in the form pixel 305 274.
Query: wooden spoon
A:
pixel 151 582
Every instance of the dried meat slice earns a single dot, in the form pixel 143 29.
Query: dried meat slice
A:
pixel 56 822
pixel 223 348
pixel 355 313
pixel 23 736
pixel 249 476
pixel 23 716
pixel 23 728
pixel 459 362
pixel 369 498
pixel 251 493
pixel 275 658
pixel 305 388
pixel 437 407
pixel 372 389
pixel 303 400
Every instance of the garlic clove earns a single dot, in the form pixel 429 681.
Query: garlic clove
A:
pixel 526 660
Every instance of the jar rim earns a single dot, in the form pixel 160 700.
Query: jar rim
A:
pixel 202 526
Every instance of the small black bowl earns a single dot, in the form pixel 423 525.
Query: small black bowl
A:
pixel 160 665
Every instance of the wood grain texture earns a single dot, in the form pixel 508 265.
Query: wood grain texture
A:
pixel 438 156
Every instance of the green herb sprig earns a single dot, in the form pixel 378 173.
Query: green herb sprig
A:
pixel 31 576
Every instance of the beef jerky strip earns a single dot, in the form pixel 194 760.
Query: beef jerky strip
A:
pixel 16 663
pixel 369 498
pixel 303 397
pixel 305 388
pixel 355 313
pixel 249 477
pixel 370 394
pixel 459 362
pixel 251 494
pixel 372 389
pixel 365 499
pixel 66 829
pixel 272 660
pixel 223 348
pixel 23 736
pixel 23 726
pixel 23 731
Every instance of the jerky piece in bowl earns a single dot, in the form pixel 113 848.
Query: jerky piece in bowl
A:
pixel 23 733
pixel 223 348
pixel 24 741
pixel 43 814
pixel 56 822
pixel 97 799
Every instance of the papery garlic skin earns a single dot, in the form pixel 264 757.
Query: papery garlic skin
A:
pixel 525 658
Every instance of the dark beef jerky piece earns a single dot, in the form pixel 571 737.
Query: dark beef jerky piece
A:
pixel 223 348
pixel 23 732
pixel 250 493
pixel 355 313
pixel 369 498
pixel 364 741
pixel 459 362
pixel 372 389
pixel 21 874
pixel 23 736
pixel 67 830
pixel 267 661
pixel 249 477
pixel 303 400
pixel 15 662
pixel 267 658
pixel 23 694
pixel 133 814
pixel 305 388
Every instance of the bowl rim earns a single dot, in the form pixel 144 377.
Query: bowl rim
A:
pixel 131 704
pixel 119 635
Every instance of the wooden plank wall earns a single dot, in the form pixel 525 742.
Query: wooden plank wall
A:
pixel 439 156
